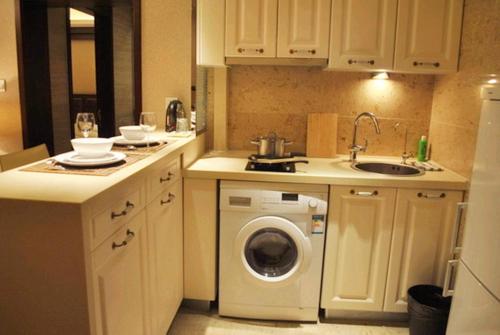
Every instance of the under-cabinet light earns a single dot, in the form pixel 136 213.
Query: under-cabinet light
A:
pixel 380 75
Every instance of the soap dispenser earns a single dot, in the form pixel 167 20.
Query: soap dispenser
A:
pixel 422 149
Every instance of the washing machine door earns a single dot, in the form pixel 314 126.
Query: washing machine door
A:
pixel 272 251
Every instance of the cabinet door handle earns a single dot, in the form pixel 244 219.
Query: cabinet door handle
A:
pixel 357 61
pixel 128 206
pixel 167 178
pixel 130 236
pixel 431 195
pixel 171 197
pixel 307 51
pixel 447 291
pixel 434 64
pixel 364 193
pixel 454 248
pixel 257 50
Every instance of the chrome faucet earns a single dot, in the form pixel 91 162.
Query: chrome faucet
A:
pixel 354 148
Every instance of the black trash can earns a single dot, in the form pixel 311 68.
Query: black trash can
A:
pixel 428 310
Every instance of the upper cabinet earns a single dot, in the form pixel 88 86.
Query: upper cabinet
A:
pixel 303 28
pixel 362 36
pixel 277 29
pixel 428 35
pixel 407 36
pixel 251 28
pixel 210 31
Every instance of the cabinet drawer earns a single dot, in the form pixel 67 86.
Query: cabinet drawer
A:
pixel 118 241
pixel 116 215
pixel 167 200
pixel 162 176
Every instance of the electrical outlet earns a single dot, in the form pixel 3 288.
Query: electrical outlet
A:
pixel 3 85
pixel 168 99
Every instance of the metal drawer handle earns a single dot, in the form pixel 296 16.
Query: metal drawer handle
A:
pixel 128 206
pixel 310 51
pixel 430 195
pixel 355 61
pixel 171 197
pixel 365 194
pixel 447 278
pixel 243 50
pixel 168 178
pixel 130 236
pixel 435 64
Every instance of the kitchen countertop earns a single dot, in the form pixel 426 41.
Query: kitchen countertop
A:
pixel 73 188
pixel 230 165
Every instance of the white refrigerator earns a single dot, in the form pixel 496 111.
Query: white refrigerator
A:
pixel 476 295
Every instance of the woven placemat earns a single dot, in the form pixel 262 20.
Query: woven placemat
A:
pixel 50 166
pixel 141 149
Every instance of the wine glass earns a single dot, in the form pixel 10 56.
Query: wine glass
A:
pixel 85 123
pixel 148 125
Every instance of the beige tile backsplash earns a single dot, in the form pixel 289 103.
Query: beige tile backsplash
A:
pixel 456 104
pixel 269 98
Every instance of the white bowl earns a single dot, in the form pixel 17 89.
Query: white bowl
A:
pixel 92 147
pixel 132 132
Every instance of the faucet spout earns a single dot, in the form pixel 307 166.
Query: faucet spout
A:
pixel 372 117
pixel 354 147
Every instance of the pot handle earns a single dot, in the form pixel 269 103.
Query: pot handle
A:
pixel 256 142
pixel 288 142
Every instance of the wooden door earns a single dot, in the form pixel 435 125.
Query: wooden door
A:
pixel 303 28
pixel 121 282
pixel 428 35
pixel 420 242
pixel 166 256
pixel 362 36
pixel 251 28
pixel 357 247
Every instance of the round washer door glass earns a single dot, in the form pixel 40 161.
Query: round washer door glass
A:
pixel 271 252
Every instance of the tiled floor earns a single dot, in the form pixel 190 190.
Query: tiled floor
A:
pixel 189 322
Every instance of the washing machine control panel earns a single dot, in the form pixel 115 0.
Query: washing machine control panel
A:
pixel 272 199
pixel 293 202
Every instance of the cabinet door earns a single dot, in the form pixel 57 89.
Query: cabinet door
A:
pixel 121 282
pixel 251 28
pixel 357 248
pixel 303 28
pixel 428 35
pixel 166 261
pixel 363 34
pixel 420 242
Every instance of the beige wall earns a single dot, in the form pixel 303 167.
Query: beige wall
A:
pixel 10 110
pixel 83 66
pixel 456 105
pixel 166 54
pixel 265 98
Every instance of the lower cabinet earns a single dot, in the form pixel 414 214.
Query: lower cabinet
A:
pixel 357 247
pixel 382 241
pixel 165 240
pixel 137 272
pixel 421 240
pixel 120 281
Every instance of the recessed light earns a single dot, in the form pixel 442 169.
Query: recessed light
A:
pixel 492 81
pixel 380 75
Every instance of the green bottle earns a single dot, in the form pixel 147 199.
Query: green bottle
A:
pixel 422 149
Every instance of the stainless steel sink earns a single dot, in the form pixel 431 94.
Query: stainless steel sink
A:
pixel 387 168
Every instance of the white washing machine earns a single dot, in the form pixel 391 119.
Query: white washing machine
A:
pixel 271 249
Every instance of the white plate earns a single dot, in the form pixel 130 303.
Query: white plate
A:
pixel 74 159
pixel 120 140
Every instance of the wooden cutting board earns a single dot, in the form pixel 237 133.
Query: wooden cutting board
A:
pixel 321 135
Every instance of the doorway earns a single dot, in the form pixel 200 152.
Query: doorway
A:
pixel 77 56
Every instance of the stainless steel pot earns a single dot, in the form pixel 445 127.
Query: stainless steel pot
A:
pixel 271 145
